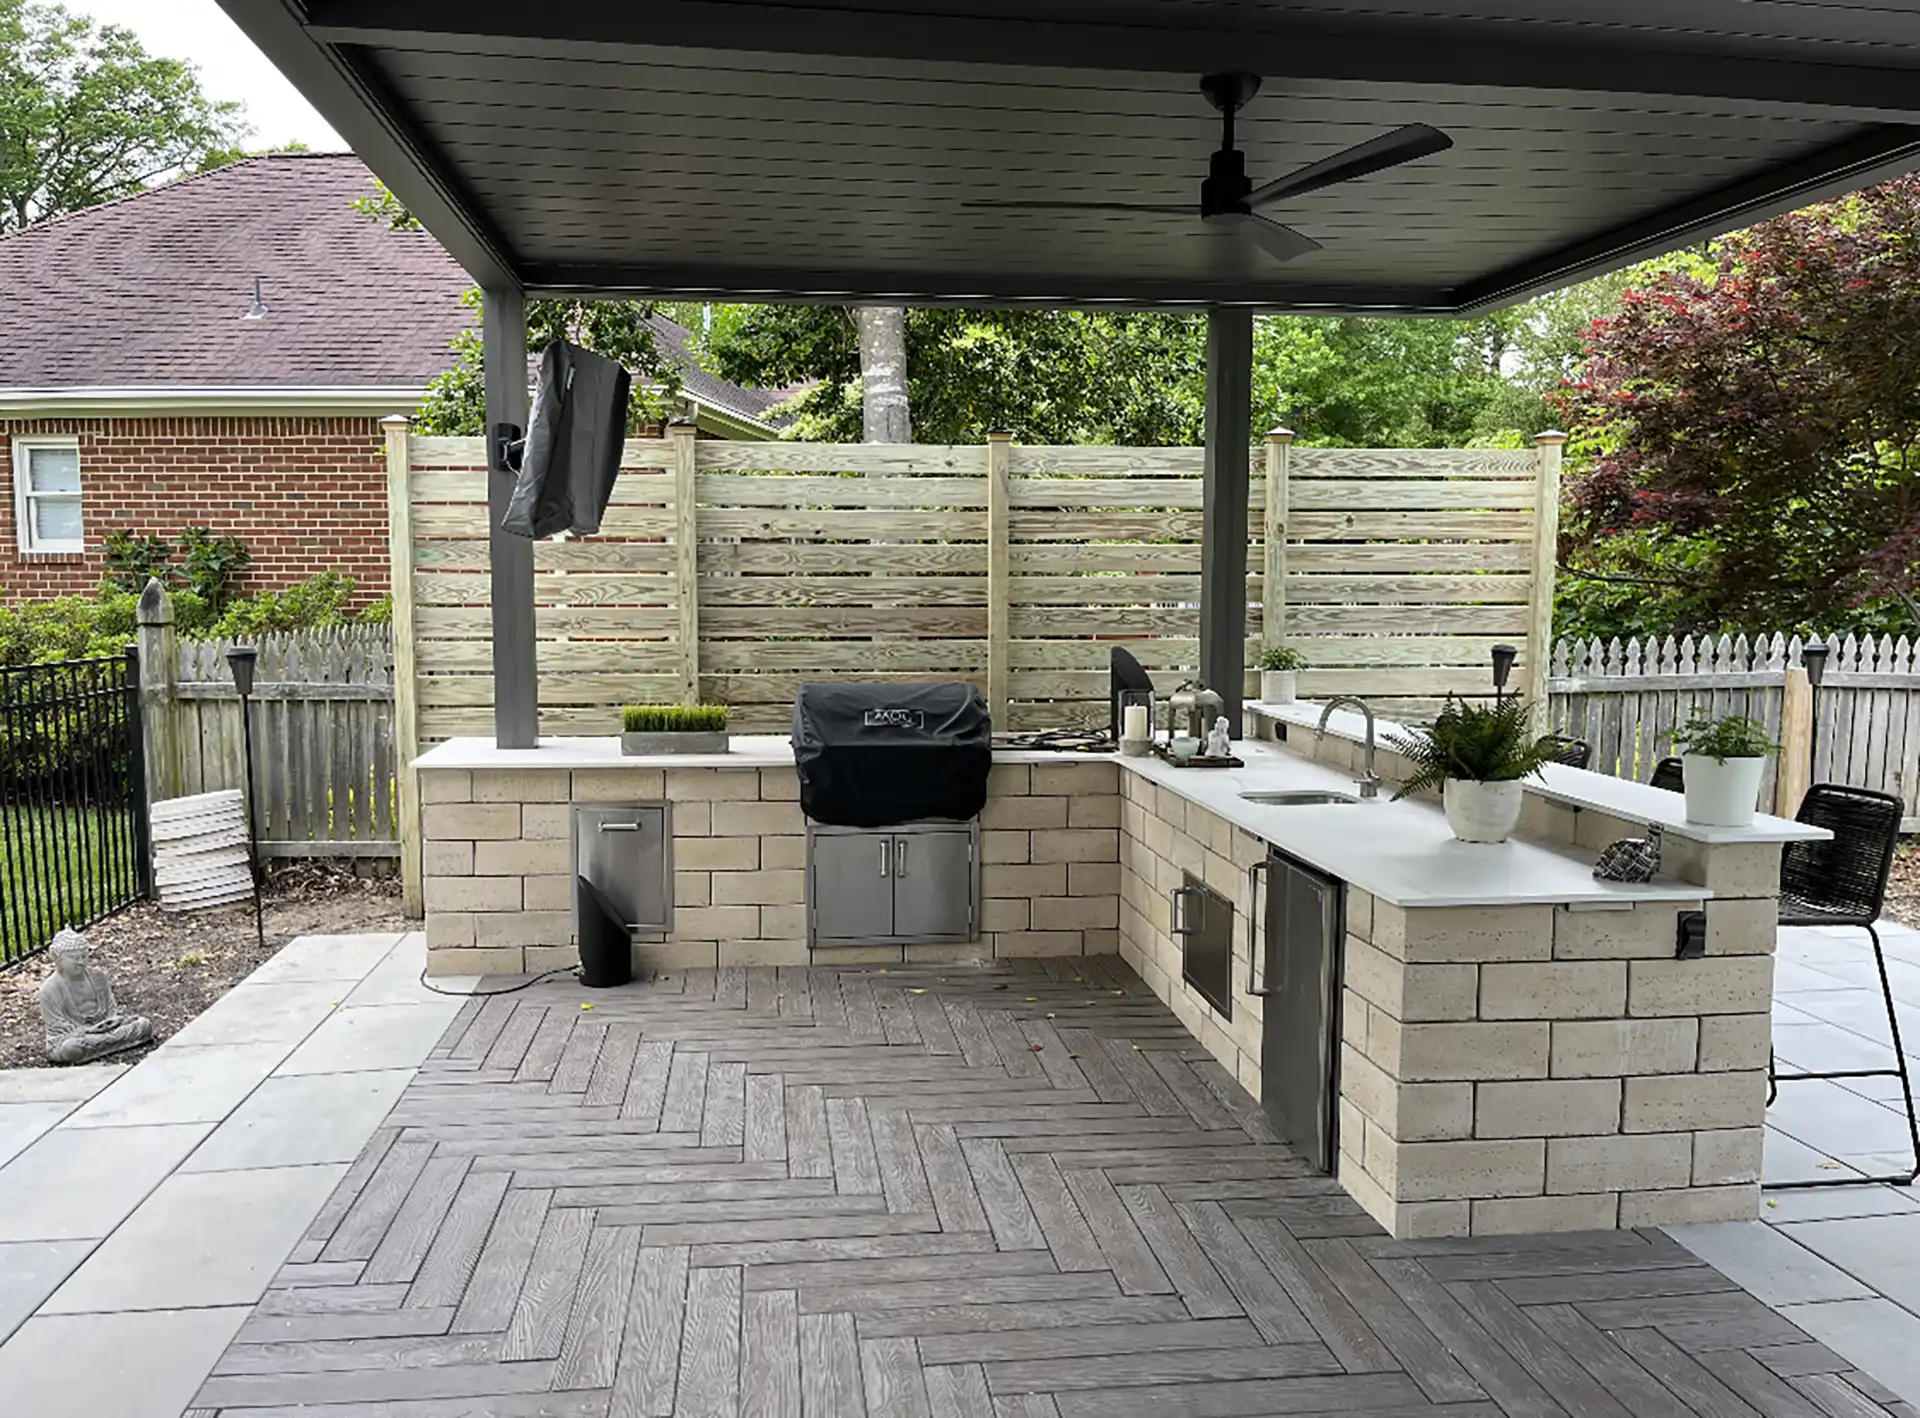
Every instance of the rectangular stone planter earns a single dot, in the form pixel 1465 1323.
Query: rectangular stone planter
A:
pixel 642 745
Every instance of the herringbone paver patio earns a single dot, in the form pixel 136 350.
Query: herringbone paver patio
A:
pixel 1014 1191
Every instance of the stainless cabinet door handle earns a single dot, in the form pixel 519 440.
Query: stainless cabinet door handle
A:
pixel 899 856
pixel 621 827
pixel 1181 926
pixel 885 856
pixel 1256 984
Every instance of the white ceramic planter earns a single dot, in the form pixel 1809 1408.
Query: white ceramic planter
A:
pixel 1722 792
pixel 1482 812
pixel 646 745
pixel 1279 686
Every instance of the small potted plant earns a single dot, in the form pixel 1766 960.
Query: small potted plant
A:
pixel 673 728
pixel 1476 755
pixel 1722 759
pixel 1280 668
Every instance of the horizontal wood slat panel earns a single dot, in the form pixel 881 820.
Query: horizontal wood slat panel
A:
pixel 1409 526
pixel 608 689
pixel 841 591
pixel 549 588
pixel 1170 653
pixel 904 460
pixel 1104 590
pixel 1035 559
pixel 1035 460
pixel 575 656
pixel 748 490
pixel 1059 623
pixel 469 485
pixel 1412 463
pixel 844 526
pixel 755 622
pixel 589 622
pixel 590 555
pixel 854 657
pixel 428 451
pixel 1388 620
pixel 1330 651
pixel 780 688
pixel 1433 556
pixel 1105 492
pixel 1410 590
pixel 1339 495
pixel 967 558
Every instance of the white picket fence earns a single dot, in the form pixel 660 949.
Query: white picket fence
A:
pixel 1626 697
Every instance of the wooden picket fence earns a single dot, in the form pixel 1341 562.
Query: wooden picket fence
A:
pixel 325 755
pixel 734 572
pixel 1626 697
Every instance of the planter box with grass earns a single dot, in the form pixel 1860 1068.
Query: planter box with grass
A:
pixel 673 728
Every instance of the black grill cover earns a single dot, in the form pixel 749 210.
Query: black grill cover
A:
pixel 877 755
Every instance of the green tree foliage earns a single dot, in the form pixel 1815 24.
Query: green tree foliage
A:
pixel 1750 426
pixel 87 115
pixel 622 330
pixel 1098 377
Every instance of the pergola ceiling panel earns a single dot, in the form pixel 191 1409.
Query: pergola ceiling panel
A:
pixel 771 149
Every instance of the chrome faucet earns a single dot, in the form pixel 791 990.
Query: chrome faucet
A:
pixel 1370 784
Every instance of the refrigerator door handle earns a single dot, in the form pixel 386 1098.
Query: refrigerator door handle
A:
pixel 1256 976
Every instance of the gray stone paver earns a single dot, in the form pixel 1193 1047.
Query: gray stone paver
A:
pixel 22 1124
pixel 172 1229
pixel 584 1192
pixel 140 1365
pixel 202 1239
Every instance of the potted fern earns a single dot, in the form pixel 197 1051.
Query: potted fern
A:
pixel 1723 758
pixel 673 728
pixel 1280 669
pixel 1476 755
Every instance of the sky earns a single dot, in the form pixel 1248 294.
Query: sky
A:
pixel 230 67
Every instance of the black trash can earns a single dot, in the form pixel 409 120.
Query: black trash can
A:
pixel 606 944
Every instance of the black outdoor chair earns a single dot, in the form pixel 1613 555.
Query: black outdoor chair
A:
pixel 1669 773
pixel 1843 882
pixel 1575 753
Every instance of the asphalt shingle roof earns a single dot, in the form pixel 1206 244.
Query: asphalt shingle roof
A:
pixel 153 290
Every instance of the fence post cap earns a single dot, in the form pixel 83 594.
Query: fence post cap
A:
pixel 396 421
pixel 156 606
pixel 1280 435
pixel 1550 435
pixel 999 435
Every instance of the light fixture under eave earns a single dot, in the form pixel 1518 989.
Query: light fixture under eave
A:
pixel 258 310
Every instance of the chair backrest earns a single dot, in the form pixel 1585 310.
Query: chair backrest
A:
pixel 1669 773
pixel 1847 875
pixel 1575 753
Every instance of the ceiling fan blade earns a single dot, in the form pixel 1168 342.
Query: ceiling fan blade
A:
pixel 1247 231
pixel 1186 209
pixel 1407 144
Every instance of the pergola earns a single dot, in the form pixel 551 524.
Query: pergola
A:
pixel 837 151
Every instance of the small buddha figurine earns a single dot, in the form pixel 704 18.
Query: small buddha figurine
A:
pixel 1218 744
pixel 77 1005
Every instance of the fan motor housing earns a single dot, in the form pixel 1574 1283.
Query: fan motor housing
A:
pixel 1225 190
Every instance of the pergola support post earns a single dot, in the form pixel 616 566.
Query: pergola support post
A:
pixel 516 685
pixel 1223 517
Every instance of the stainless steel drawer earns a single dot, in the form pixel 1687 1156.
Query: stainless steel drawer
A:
pixel 627 851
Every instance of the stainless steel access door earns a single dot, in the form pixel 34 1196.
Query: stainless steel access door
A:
pixel 626 851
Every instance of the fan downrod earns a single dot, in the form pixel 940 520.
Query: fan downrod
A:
pixel 1225 191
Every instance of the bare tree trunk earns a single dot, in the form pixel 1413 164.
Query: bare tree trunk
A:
pixel 886 417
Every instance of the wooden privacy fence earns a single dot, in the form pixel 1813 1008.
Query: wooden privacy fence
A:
pixel 325 755
pixel 735 572
pixel 1625 698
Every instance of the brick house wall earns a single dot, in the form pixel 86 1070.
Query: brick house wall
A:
pixel 306 494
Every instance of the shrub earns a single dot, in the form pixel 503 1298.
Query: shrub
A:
pixel 378 612
pixel 134 558
pixel 673 718
pixel 309 605
pixel 212 564
pixel 1472 743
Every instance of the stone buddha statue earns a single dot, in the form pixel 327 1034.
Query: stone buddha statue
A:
pixel 77 1005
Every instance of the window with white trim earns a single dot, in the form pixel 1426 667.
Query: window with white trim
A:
pixel 46 494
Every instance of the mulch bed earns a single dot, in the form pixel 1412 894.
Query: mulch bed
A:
pixel 171 967
pixel 1903 889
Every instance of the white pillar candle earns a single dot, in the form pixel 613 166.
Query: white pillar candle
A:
pixel 1134 723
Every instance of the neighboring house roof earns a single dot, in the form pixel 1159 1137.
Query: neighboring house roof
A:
pixel 144 300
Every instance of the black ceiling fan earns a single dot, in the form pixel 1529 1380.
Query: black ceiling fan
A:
pixel 1228 198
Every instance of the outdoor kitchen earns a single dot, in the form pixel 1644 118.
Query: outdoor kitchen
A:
pixel 1474 1037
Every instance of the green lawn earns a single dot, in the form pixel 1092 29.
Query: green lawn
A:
pixel 59 866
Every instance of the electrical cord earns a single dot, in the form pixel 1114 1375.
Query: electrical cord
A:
pixel 489 994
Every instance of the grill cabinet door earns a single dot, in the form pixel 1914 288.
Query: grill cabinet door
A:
pixel 850 890
pixel 933 884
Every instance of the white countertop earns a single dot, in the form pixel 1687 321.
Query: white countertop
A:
pixel 1578 787
pixel 743 751
pixel 1404 853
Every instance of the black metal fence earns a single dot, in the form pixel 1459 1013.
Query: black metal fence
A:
pixel 73 822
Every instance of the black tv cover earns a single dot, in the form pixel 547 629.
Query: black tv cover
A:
pixel 878 755
pixel 573 444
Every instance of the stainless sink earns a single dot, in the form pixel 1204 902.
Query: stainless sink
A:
pixel 1304 797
